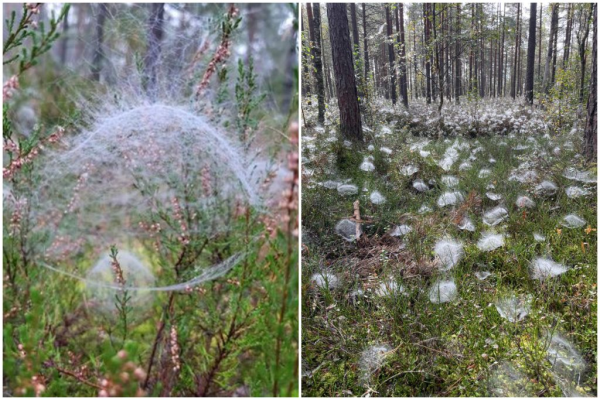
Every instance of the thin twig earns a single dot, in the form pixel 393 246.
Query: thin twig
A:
pixel 80 379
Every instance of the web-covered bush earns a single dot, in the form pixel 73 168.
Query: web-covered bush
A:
pixel 166 202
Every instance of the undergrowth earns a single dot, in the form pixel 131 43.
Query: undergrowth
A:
pixel 454 348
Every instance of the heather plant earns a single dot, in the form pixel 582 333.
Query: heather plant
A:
pixel 170 216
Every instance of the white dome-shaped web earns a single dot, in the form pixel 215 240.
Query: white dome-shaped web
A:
pixel 135 177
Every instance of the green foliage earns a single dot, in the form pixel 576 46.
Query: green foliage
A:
pixel 247 100
pixel 442 349
pixel 42 41
pixel 122 298
pixel 562 102
pixel 234 335
pixel 26 348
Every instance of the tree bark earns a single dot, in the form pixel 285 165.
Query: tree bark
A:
pixel 402 61
pixel 457 92
pixel 568 34
pixel 530 54
pixel 347 94
pixel 315 32
pixel 582 37
pixel 500 64
pixel 513 81
pixel 590 138
pixel 356 54
pixel 365 45
pixel 427 22
pixel 553 28
pixel 481 81
pixel 539 71
pixel 555 53
pixel 591 125
pixel 390 46
pixel 306 63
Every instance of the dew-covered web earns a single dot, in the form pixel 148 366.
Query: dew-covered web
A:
pixel 147 167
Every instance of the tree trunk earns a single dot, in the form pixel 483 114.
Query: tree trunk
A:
pixel 347 94
pixel 513 81
pixel 471 55
pixel 553 28
pixel 365 46
pixel 539 71
pixel 155 34
pixel 98 53
pixel 315 31
pixel 457 57
pixel 356 53
pixel 568 34
pixel 415 86
pixel 590 138
pixel 390 46
pixel 306 63
pixel 582 37
pixel 555 53
pixel 402 61
pixel 481 81
pixel 427 22
pixel 530 55
pixel 500 64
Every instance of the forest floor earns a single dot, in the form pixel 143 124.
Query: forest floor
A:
pixel 490 296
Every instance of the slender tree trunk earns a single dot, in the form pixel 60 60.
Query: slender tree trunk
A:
pixel 568 35
pixel 590 139
pixel 539 73
pixel 427 22
pixel 471 55
pixel 530 54
pixel 365 46
pixel 328 84
pixel 553 27
pixel 582 37
pixel 438 61
pixel 315 33
pixel 513 81
pixel 347 94
pixel 457 92
pixel 554 53
pixel 356 55
pixel 481 80
pixel 98 52
pixel 415 74
pixel 402 60
pixel 500 64
pixel 306 63
pixel 390 46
